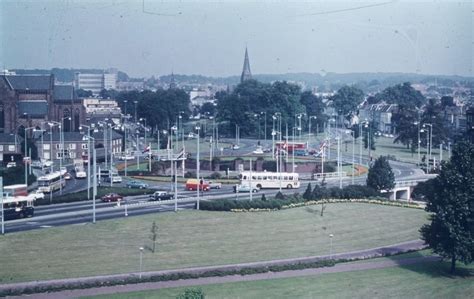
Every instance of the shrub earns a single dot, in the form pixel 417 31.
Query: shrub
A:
pixel 279 195
pixel 190 174
pixel 191 294
pixel 307 195
pixel 215 175
pixel 263 197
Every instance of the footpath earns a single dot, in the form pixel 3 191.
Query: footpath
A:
pixel 73 283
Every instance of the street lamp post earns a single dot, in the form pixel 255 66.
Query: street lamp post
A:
pixel 26 153
pixel 338 138
pixel 198 165
pixel 330 246
pixel 94 174
pixel 353 161
pixel 265 125
pixel 135 102
pixel 429 139
pixel 141 261
pixel 88 159
pixel 309 127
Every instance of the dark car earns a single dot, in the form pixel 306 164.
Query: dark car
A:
pixel 161 195
pixel 112 197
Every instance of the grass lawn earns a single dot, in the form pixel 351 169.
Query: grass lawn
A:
pixel 384 146
pixel 430 280
pixel 191 238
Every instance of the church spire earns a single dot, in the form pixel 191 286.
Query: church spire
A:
pixel 246 74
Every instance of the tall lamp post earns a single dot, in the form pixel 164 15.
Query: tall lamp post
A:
pixel 94 189
pixel 265 125
pixel 430 141
pixel 135 102
pixel 330 246
pixel 88 159
pixel 309 127
pixel 198 128
pixel 26 153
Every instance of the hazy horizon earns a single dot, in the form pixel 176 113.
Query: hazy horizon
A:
pixel 144 38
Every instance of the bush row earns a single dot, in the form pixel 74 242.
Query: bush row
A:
pixel 166 277
pixel 82 195
pixel 280 200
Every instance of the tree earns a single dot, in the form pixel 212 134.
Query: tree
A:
pixel 81 93
pixel 380 176
pixel 154 235
pixel 314 107
pixel 402 94
pixel 208 108
pixel 346 100
pixel 450 200
pixel 307 195
pixel 409 102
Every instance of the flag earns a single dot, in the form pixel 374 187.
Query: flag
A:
pixel 147 149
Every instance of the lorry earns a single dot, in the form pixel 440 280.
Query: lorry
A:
pixel 192 185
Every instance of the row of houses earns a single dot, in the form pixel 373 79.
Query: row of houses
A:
pixel 50 146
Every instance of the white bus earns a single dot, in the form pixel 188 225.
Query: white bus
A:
pixel 51 182
pixel 266 179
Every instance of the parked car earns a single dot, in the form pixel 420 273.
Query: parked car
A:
pixel 114 178
pixel 67 176
pixel 235 147
pixel 137 185
pixel 11 164
pixel 112 197
pixel 214 185
pixel 161 195
pixel 245 188
pixel 38 195
pixel 258 150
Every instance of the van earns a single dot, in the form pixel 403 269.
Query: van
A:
pixel 192 185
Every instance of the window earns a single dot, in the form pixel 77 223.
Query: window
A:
pixel 72 155
pixel 291 178
pixel 12 148
pixel 1 148
pixel 72 146
pixel 84 146
pixel 46 146
pixel 46 156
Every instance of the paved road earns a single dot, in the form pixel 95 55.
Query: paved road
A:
pixel 343 267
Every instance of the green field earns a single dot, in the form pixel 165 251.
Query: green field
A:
pixel 191 238
pixel 430 280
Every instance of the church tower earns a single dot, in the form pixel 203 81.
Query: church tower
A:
pixel 246 74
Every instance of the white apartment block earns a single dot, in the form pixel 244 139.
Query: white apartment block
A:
pixel 95 82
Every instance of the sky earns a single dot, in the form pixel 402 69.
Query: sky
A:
pixel 145 38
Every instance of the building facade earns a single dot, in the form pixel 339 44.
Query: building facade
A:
pixel 33 101
pixel 95 82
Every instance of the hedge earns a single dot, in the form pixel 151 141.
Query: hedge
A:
pixel 280 201
pixel 82 195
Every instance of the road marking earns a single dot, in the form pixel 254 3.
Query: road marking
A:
pixel 32 223
pixel 46 226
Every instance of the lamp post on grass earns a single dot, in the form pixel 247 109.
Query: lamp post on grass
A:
pixel 330 246
pixel 198 128
pixel 141 261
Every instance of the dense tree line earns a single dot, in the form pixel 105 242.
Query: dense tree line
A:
pixel 160 108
